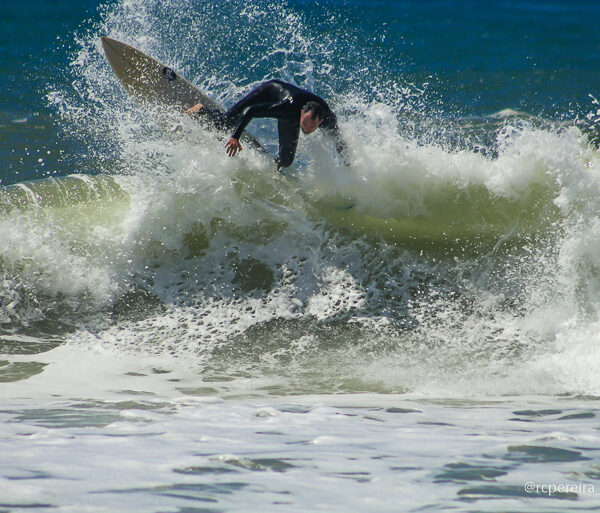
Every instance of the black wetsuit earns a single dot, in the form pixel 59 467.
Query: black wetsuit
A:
pixel 282 101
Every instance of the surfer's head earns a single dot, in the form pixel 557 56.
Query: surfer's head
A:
pixel 311 116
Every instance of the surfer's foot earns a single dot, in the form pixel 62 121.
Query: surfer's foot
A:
pixel 194 111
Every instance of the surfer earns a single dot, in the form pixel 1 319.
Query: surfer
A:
pixel 294 108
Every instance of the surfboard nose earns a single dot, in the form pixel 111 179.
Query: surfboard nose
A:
pixel 116 52
pixel 109 44
pixel 113 47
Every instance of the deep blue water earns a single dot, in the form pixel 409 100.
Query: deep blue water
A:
pixel 34 56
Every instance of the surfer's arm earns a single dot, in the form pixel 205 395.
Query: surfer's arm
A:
pixel 260 110
pixel 288 141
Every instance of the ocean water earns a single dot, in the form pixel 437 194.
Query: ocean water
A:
pixel 185 332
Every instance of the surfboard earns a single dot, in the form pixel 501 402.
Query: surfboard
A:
pixel 156 86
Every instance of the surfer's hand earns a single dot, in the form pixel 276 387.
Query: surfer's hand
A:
pixel 233 146
pixel 195 110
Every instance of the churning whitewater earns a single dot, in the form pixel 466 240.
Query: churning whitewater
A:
pixel 476 267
